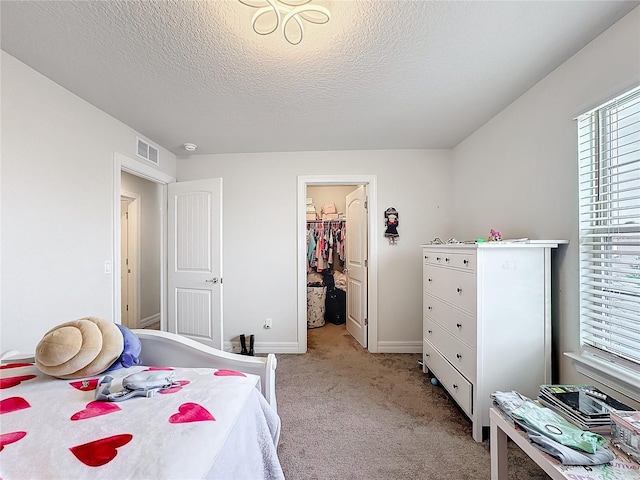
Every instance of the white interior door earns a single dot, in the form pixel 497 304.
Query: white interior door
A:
pixel 356 247
pixel 194 247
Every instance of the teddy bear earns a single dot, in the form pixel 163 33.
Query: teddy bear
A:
pixel 86 347
pixel 495 236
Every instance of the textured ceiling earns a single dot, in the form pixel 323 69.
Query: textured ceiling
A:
pixel 381 74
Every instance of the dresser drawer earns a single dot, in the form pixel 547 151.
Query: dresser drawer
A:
pixel 452 286
pixel 461 324
pixel 464 260
pixel 455 383
pixel 459 354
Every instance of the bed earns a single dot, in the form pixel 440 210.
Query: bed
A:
pixel 220 421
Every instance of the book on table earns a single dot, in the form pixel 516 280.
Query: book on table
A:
pixel 584 405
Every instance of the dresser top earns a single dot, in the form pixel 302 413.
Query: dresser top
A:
pixel 501 244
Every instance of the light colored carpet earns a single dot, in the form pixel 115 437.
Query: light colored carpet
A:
pixel 350 414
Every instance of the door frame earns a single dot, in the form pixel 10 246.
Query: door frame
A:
pixel 133 242
pixel 123 163
pixel 372 245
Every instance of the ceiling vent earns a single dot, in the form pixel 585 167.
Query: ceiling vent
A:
pixel 148 151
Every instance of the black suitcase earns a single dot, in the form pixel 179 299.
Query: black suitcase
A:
pixel 336 306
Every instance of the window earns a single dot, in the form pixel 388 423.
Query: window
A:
pixel 609 187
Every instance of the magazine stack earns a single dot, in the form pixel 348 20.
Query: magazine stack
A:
pixel 583 405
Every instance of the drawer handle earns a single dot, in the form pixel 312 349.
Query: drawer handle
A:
pixel 459 325
pixel 466 262
pixel 430 280
pixel 455 386
pixel 426 355
pixel 429 332
pixel 459 290
pixel 446 259
pixel 426 257
pixel 458 355
pixel 429 307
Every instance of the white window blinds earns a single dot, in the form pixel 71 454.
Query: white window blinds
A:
pixel 609 187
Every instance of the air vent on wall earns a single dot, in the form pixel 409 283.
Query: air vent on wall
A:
pixel 148 152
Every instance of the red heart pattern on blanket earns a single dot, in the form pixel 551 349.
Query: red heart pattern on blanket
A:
pixel 175 388
pixel 191 412
pixel 9 438
pixel 15 365
pixel 95 409
pixel 102 451
pixel 228 373
pixel 13 381
pixel 85 385
pixel 13 404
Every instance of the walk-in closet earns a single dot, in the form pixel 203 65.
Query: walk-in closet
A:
pixel 326 255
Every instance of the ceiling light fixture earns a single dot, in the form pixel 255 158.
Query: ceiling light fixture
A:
pixel 282 12
pixel 190 147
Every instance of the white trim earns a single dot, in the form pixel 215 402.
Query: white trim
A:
pixel 399 347
pixel 371 182
pixel 607 373
pixel 145 322
pixel 122 163
pixel 264 347
pixel 140 169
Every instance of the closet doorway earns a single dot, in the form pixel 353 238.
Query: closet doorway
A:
pixel 131 179
pixel 140 268
pixel 355 196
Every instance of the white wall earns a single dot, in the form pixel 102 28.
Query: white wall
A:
pixel 330 194
pixel 518 173
pixel 57 205
pixel 259 233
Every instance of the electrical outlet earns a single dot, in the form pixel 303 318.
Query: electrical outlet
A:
pixel 268 323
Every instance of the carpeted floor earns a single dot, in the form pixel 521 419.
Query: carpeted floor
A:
pixel 350 414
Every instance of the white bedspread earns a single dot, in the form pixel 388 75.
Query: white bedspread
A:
pixel 216 425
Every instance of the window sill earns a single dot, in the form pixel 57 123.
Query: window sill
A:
pixel 614 376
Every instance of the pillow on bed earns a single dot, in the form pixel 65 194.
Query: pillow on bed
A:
pixel 80 348
pixel 131 351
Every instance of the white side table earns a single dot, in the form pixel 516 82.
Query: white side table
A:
pixel 621 468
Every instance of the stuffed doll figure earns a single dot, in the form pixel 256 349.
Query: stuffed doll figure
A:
pixel 391 222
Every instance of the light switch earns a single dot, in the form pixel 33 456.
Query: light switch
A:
pixel 107 266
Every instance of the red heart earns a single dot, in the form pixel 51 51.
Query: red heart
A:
pixel 7 438
pixel 176 388
pixel 228 373
pixel 15 365
pixel 191 412
pixel 95 409
pixel 85 385
pixel 100 452
pixel 13 404
pixel 13 381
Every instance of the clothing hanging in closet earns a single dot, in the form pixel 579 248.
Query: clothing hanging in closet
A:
pixel 324 239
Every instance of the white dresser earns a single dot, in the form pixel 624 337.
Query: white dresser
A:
pixel 487 320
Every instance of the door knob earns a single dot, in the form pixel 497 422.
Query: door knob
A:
pixel 213 280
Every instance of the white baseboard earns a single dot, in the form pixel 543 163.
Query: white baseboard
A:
pixel 145 322
pixel 264 347
pixel 292 347
pixel 399 347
